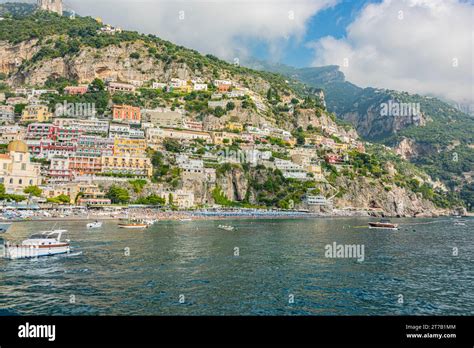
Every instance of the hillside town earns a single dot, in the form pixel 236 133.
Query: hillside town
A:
pixel 75 155
pixel 96 118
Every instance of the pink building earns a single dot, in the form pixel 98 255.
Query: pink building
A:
pixel 76 90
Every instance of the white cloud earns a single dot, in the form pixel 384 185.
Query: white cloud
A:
pixel 225 28
pixel 410 45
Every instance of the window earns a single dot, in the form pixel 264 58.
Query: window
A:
pixel 23 166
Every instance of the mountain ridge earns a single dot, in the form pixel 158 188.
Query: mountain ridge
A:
pixel 431 140
pixel 74 51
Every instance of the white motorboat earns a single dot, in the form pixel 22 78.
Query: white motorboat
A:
pixel 95 224
pixel 460 223
pixel 45 243
pixel 226 227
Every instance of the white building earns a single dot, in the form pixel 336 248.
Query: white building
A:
pixel 291 170
pixel 119 130
pixel 159 85
pixel 200 87
pixel 7 114
pixel 11 133
pixel 222 82
pixel 316 200
pixel 176 83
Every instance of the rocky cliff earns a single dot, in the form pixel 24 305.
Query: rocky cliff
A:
pixel 390 200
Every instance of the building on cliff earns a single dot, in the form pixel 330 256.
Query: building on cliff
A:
pixel 51 6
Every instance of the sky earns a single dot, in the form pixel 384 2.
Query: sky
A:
pixel 419 46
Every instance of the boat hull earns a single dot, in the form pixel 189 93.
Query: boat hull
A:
pixel 94 226
pixel 383 228
pixel 133 227
pixel 28 252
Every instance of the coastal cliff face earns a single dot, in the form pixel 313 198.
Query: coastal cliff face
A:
pixel 373 125
pixel 234 184
pixel 410 149
pixel 90 63
pixel 391 200
pixel 12 56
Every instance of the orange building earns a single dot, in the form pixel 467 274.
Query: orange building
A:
pixel 126 114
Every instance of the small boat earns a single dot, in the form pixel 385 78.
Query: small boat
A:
pixel 185 220
pixel 95 224
pixel 226 227
pixel 45 243
pixel 2 230
pixel 460 223
pixel 132 224
pixel 383 224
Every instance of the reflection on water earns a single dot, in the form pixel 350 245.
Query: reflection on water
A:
pixel 132 272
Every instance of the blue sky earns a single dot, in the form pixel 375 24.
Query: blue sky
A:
pixel 418 46
pixel 332 21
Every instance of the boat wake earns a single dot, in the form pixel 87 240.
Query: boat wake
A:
pixel 77 253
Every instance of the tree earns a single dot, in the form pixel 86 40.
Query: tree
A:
pixel 97 86
pixel 34 191
pixel 172 145
pixel 151 200
pixel 61 199
pixel 230 106
pixel 118 195
pixel 138 185
pixel 219 111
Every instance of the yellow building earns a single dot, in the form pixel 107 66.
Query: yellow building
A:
pixel 224 138
pixel 82 193
pixel 235 126
pixel 314 140
pixel 341 147
pixel 181 198
pixel 16 170
pixel 184 89
pixel 138 166
pixel 129 147
pixel 36 113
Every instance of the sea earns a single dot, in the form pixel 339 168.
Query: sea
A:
pixel 265 267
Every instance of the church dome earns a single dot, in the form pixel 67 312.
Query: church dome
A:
pixel 17 146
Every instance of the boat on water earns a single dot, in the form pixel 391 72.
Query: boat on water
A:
pixel 46 243
pixel 94 225
pixel 185 220
pixel 460 223
pixel 383 224
pixel 132 224
pixel 226 227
